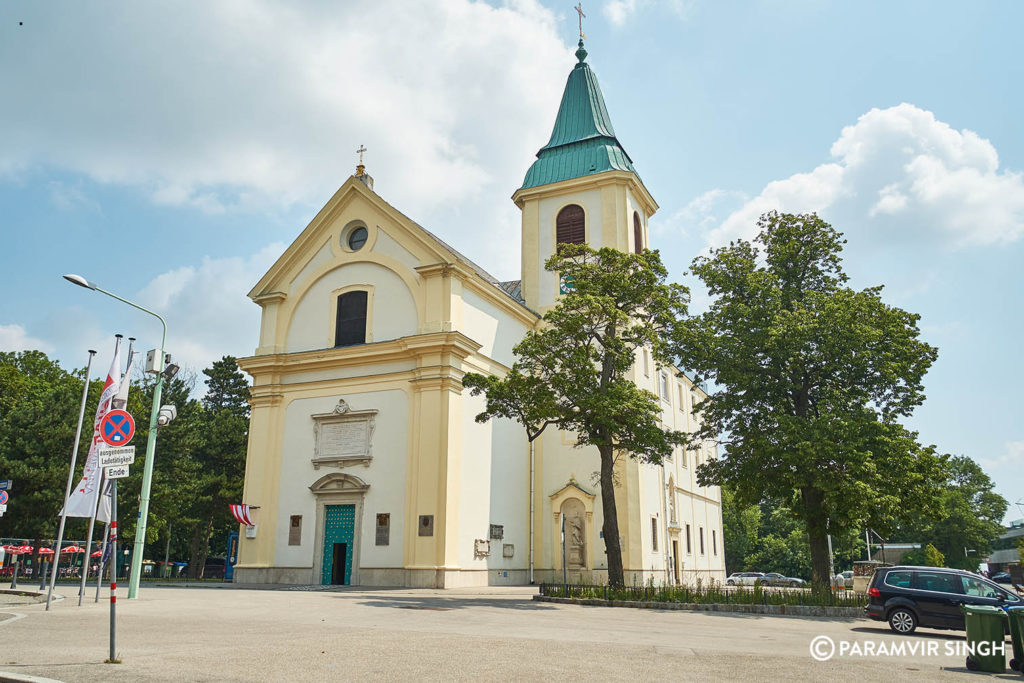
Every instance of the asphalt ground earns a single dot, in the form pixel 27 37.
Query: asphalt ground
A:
pixel 200 634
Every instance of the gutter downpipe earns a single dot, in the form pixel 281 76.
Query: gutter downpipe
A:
pixel 532 477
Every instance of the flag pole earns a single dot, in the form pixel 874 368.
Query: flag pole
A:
pixel 99 566
pixel 71 470
pixel 119 403
pixel 99 487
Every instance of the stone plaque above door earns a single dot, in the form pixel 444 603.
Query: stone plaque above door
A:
pixel 344 437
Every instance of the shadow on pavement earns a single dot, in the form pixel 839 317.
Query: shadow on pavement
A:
pixel 444 604
pixel 931 635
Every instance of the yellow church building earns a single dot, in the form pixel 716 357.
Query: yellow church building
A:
pixel 364 459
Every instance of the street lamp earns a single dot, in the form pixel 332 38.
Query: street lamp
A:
pixel 147 475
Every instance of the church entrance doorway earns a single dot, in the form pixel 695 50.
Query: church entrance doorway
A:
pixel 339 533
pixel 338 575
pixel 675 560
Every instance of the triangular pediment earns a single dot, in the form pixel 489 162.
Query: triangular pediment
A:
pixel 572 486
pixel 354 197
pixel 338 483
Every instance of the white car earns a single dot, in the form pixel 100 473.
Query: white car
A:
pixel 843 580
pixel 744 578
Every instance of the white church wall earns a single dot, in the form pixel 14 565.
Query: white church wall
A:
pixel 493 490
pixel 385 476
pixel 548 210
pixel 393 315
pixel 493 328
pixel 562 462
pixel 386 244
pixel 650 503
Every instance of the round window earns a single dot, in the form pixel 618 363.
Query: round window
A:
pixel 357 238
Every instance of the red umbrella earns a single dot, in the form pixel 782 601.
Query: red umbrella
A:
pixel 73 549
pixel 23 550
pixel 97 553
pixel 12 549
pixel 46 551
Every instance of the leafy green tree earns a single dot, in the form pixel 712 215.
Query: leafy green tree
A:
pixel 741 526
pixel 221 457
pixel 39 406
pixel 812 378
pixel 572 372
pixel 969 516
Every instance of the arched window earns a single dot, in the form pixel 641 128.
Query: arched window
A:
pixel 638 234
pixel 570 225
pixel 350 327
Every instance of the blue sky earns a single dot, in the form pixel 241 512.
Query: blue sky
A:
pixel 170 152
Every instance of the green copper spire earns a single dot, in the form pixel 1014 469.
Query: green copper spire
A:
pixel 583 141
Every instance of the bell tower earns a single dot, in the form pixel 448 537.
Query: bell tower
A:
pixel 582 188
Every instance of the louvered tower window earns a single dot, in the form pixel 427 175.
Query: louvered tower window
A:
pixel 570 225
pixel 638 234
pixel 351 324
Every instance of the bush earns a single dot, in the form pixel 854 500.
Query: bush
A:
pixel 701 594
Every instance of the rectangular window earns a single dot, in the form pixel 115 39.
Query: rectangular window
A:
pixel 295 530
pixel 350 327
pixel 701 534
pixel 714 542
pixel 689 544
pixel 647 365
pixel 654 534
pixel 682 406
pixel 663 381
pixel 384 528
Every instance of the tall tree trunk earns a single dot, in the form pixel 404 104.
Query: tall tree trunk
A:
pixel 612 546
pixel 817 535
pixel 196 556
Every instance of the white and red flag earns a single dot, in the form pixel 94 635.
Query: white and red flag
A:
pixel 83 497
pixel 243 513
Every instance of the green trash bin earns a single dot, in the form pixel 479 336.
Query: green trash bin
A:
pixel 1016 615
pixel 986 634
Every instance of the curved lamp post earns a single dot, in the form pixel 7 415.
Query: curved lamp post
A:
pixel 147 475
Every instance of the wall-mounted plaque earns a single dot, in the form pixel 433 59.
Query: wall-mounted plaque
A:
pixel 508 550
pixel 426 525
pixel 295 530
pixel 344 437
pixel 481 547
pixel 383 528
pixel 497 531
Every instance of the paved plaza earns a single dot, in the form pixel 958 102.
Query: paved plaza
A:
pixel 234 634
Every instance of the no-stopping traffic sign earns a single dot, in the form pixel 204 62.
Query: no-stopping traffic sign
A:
pixel 117 428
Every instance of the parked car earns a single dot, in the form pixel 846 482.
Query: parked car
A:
pixel 777 579
pixel 1002 577
pixel 744 578
pixel 843 579
pixel 908 597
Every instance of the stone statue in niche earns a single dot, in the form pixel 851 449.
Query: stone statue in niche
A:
pixel 671 501
pixel 575 534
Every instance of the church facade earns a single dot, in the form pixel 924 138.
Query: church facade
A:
pixel 365 463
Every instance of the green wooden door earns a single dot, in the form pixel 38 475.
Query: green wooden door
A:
pixel 339 542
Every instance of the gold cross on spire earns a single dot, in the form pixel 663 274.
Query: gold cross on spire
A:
pixel 360 169
pixel 579 11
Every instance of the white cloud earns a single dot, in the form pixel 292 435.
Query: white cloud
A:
pixel 224 105
pixel 618 12
pixel 13 337
pixel 207 311
pixel 701 215
pixel 900 174
pixel 1011 459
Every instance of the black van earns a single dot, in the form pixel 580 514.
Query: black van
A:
pixel 908 597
